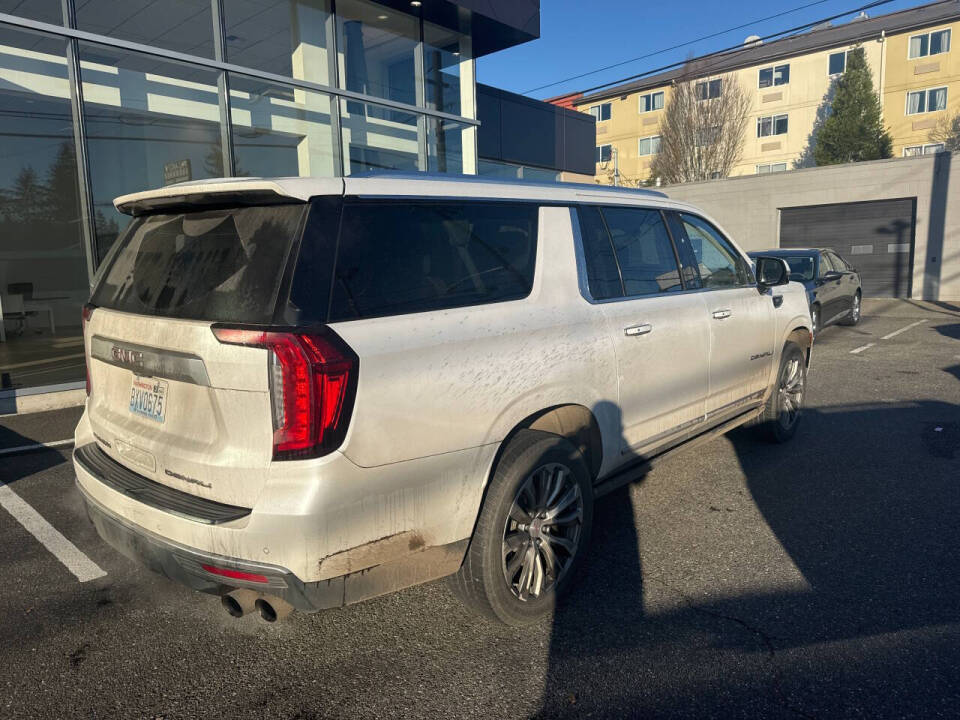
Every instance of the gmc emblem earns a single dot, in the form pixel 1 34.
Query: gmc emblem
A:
pixel 126 356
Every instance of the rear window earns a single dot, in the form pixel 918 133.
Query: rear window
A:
pixel 395 258
pixel 222 265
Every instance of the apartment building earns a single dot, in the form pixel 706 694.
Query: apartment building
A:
pixel 916 73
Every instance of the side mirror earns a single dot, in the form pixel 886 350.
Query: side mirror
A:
pixel 832 275
pixel 772 272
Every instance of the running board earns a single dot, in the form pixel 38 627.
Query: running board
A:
pixel 637 469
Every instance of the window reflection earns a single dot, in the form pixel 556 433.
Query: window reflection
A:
pixel 377 138
pixel 444 50
pixel 445 145
pixel 286 38
pixel 182 25
pixel 376 46
pixel 280 130
pixel 49 11
pixel 43 272
pixel 149 123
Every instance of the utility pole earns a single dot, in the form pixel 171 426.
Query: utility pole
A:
pixel 616 166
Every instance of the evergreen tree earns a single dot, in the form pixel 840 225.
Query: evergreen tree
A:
pixel 854 130
pixel 28 197
pixel 62 196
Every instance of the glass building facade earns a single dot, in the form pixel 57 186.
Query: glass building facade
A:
pixel 99 98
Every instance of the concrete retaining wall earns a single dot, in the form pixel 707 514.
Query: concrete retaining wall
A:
pixel 749 208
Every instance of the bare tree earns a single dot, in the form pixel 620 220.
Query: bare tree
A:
pixel 702 131
pixel 947 131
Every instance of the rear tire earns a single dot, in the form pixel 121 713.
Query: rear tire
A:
pixel 532 533
pixel 854 317
pixel 781 415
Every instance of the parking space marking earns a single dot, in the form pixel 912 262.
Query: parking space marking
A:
pixel 65 551
pixel 903 330
pixel 861 349
pixel 35 446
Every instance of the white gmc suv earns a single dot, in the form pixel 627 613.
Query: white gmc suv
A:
pixel 308 392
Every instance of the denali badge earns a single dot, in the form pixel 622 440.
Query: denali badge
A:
pixel 126 356
pixel 761 355
pixel 186 478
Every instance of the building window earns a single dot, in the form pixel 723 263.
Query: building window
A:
pixel 929 149
pixel 709 90
pixel 378 50
pixel 773 76
pixel 280 130
pixel 43 267
pixel 443 51
pixel 182 25
pixel 601 112
pixel 604 153
pixel 287 39
pixel 838 63
pixel 649 146
pixel 932 43
pixel 48 11
pixel 705 137
pixel 768 168
pixel 149 123
pixel 651 102
pixel 924 101
pixel 772 125
pixel 377 138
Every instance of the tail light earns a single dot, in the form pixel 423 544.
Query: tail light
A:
pixel 313 383
pixel 84 321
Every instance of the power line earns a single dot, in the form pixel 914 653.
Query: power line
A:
pixel 676 47
pixel 734 49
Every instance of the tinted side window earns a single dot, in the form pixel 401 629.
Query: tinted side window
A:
pixel 396 258
pixel 644 251
pixel 719 265
pixel 838 262
pixel 603 275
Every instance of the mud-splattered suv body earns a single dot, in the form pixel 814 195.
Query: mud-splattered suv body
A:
pixel 308 392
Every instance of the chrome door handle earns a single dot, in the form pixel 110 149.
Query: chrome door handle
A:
pixel 638 330
pixel 721 314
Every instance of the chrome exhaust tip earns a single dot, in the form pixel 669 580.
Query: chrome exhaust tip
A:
pixel 239 602
pixel 272 609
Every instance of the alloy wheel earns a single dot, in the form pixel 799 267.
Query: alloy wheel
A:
pixel 542 532
pixel 791 392
pixel 855 311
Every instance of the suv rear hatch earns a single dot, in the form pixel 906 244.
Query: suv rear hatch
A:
pixel 184 386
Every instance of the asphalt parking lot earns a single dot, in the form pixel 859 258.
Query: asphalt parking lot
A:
pixel 816 579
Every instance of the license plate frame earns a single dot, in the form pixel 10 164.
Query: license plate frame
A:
pixel 148 398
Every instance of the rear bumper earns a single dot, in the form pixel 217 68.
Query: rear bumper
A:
pixel 185 565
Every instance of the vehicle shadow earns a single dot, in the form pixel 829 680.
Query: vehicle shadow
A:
pixel 950 331
pixel 17 466
pixel 864 501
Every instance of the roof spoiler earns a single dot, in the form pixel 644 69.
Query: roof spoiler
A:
pixel 220 192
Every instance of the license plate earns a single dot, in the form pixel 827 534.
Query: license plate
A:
pixel 148 397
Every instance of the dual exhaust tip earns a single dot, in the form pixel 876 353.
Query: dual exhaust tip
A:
pixel 240 602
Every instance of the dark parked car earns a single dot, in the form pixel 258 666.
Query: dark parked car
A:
pixel 833 285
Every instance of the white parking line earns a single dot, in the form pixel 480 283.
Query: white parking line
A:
pixel 861 349
pixel 65 551
pixel 903 330
pixel 35 446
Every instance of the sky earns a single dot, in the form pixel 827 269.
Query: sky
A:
pixel 577 36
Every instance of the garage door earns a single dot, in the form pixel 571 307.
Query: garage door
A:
pixel 875 237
